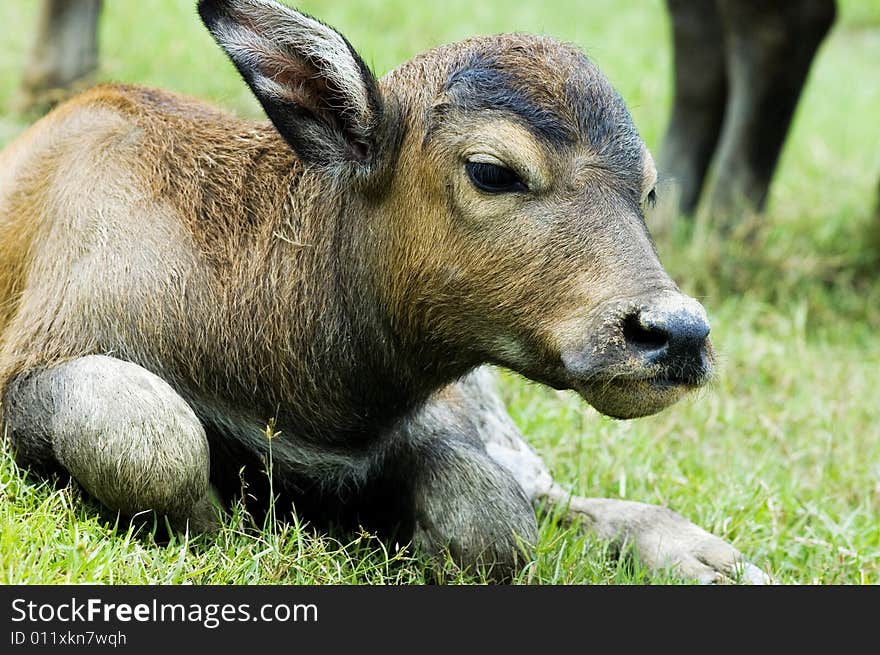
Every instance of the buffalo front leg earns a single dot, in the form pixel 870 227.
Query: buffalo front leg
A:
pixel 661 538
pixel 120 431
pixel 461 502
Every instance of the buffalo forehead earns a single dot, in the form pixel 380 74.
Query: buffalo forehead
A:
pixel 552 88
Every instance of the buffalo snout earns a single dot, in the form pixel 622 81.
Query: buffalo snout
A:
pixel 641 355
pixel 671 335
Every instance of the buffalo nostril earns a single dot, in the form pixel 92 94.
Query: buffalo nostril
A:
pixel 644 335
pixel 687 332
pixel 678 332
pixel 674 334
pixel 671 334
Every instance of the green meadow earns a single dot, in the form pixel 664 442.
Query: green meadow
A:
pixel 780 456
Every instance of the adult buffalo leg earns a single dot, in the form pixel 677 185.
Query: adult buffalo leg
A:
pixel 120 431
pixel 770 46
pixel 700 95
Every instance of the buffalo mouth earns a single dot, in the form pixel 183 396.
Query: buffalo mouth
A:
pixel 639 393
pixel 641 356
pixel 626 399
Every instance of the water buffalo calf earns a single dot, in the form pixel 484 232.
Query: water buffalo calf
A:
pixel 174 279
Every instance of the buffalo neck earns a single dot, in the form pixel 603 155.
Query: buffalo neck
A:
pixel 321 350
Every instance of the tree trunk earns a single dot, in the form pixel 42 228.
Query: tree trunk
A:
pixel 64 52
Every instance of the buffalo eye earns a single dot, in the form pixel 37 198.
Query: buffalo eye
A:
pixel 493 178
pixel 651 198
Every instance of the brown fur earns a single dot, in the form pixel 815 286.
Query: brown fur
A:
pixel 218 211
pixel 333 271
pixel 256 234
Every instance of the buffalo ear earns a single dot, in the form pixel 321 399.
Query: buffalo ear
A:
pixel 314 87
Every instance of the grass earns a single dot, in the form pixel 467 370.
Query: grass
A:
pixel 781 456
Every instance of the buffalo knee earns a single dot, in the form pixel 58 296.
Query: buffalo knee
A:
pixel 467 505
pixel 122 432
